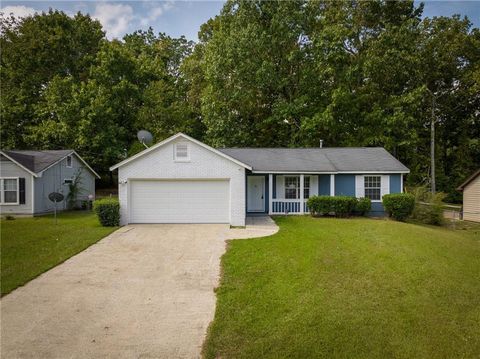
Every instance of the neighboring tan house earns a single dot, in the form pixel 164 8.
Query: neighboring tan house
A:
pixel 182 180
pixel 28 177
pixel 471 197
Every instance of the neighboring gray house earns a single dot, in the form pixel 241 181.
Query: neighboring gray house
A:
pixel 182 180
pixel 28 177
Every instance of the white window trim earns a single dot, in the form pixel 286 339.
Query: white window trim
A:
pixel 380 188
pixel 2 192
pixel 181 159
pixel 301 187
pixel 309 187
pixel 71 161
pixel 297 189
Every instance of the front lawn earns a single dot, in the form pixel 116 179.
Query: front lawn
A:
pixel 30 246
pixel 349 288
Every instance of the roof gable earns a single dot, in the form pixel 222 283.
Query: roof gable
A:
pixel 36 162
pixel 24 162
pixel 468 180
pixel 172 138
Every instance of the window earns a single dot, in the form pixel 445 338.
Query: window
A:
pixel 9 190
pixel 67 181
pixel 69 161
pixel 306 187
pixel 292 187
pixel 181 152
pixel 373 187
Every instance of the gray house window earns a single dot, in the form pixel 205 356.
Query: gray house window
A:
pixel 9 188
pixel 372 187
pixel 69 161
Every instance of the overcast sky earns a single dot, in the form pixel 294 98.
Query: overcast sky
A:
pixel 181 17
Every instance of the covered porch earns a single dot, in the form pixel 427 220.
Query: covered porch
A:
pixel 285 193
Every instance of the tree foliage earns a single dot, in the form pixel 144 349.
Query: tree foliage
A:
pixel 263 73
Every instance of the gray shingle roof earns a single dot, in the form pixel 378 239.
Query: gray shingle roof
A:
pixel 329 159
pixel 37 161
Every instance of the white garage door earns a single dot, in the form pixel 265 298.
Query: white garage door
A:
pixel 179 201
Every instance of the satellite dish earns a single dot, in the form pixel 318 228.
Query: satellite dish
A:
pixel 55 197
pixel 145 137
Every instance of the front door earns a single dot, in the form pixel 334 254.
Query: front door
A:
pixel 256 194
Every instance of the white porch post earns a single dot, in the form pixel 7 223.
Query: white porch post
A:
pixel 270 193
pixel 332 185
pixel 301 193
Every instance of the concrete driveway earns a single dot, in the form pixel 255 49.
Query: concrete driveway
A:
pixel 146 291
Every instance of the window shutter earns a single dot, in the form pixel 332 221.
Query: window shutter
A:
pixel 21 190
pixel 359 186
pixel 385 189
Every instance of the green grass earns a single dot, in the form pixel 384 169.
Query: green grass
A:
pixel 31 246
pixel 349 288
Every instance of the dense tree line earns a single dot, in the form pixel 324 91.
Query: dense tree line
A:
pixel 263 73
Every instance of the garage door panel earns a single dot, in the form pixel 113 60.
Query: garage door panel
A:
pixel 179 201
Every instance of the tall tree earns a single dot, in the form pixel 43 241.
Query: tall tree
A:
pixel 353 73
pixel 35 49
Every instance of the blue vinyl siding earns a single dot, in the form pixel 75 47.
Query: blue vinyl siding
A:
pixel 324 185
pixel 377 210
pixel 395 184
pixel 395 187
pixel 345 185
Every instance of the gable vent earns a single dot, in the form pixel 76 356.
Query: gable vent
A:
pixel 181 152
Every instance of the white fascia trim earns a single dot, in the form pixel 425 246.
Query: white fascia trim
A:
pixel 174 137
pixel 33 195
pixel 332 173
pixel 295 172
pixel 372 172
pixel 177 179
pixel 71 153
pixel 20 165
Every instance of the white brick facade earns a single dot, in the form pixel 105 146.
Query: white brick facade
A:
pixel 204 164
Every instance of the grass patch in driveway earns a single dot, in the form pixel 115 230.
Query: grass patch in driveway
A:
pixel 31 246
pixel 349 288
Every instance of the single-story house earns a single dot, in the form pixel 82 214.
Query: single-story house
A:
pixel 182 180
pixel 28 177
pixel 471 197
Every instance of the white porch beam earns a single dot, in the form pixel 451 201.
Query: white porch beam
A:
pixel 302 183
pixel 270 193
pixel 332 185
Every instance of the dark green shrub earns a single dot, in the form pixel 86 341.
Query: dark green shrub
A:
pixel 108 211
pixel 340 206
pixel 364 205
pixel 399 205
pixel 319 205
pixel 344 205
